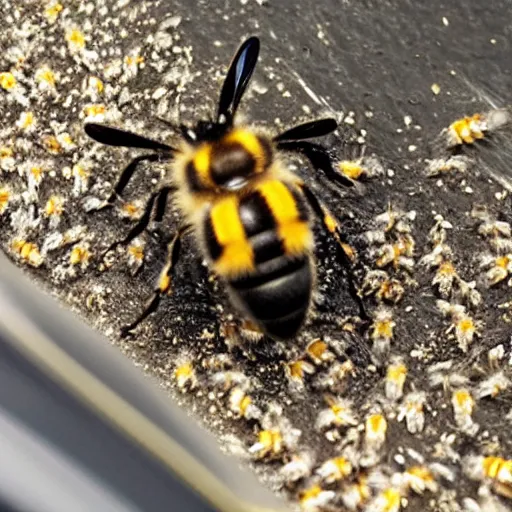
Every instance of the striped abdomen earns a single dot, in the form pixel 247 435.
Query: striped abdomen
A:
pixel 261 243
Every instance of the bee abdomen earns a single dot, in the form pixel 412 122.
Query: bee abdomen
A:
pixel 260 244
pixel 277 295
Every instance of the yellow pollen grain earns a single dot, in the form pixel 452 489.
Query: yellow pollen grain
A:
pixel 5 197
pixel 26 120
pixel 46 75
pixel 132 210
pixel 54 206
pixel 496 390
pixel 95 110
pixel 136 251
pixel 6 152
pixel 337 409
pixel 7 80
pixel 464 400
pixel 79 255
pixel 363 487
pixel 415 406
pixel 383 329
pixel 244 404
pixel 422 473
pixel 66 139
pixel 376 423
pixel 317 348
pixel 310 493
pixel 502 262
pixel 27 251
pixel 270 438
pixel 80 171
pixel 392 498
pixel 351 169
pixel 52 144
pixel 435 88
pixel 465 129
pixel 96 83
pixel 343 465
pixel 37 173
pixel 53 11
pixel 465 325
pixel 398 250
pixel 397 373
pixel 138 59
pixel 184 371
pixel 505 473
pixel 492 466
pixel 76 37
pixel 447 268
pixel 17 244
pixel 296 369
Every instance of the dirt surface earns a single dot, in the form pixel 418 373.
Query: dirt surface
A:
pixel 405 410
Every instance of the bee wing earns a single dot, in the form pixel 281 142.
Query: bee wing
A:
pixel 309 130
pixel 237 78
pixel 116 137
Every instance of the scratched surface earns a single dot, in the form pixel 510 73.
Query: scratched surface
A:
pixel 394 75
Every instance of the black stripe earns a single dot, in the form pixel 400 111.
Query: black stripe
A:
pixel 212 244
pixel 301 202
pixel 268 271
pixel 279 291
pixel 255 214
pixel 266 246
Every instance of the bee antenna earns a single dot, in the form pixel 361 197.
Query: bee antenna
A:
pixel 237 79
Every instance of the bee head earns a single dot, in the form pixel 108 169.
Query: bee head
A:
pixel 237 157
pixel 227 158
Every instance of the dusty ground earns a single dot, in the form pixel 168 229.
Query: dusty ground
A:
pixel 394 75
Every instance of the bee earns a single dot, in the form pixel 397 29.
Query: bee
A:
pixel 250 215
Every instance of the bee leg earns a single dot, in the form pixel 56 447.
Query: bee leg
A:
pixel 345 251
pixel 160 197
pixel 319 158
pixel 125 178
pixel 161 202
pixel 164 281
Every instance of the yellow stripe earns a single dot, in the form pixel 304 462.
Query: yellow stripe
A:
pixel 226 222
pixel 295 234
pixel 296 237
pixel 237 254
pixel 247 139
pixel 201 161
pixel 280 201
